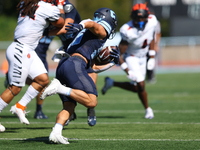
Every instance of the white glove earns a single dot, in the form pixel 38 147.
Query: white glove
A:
pixel 131 75
pixel 151 63
pixel 58 54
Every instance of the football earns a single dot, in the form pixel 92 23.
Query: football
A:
pixel 104 55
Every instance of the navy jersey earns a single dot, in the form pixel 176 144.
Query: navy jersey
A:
pixel 86 44
pixel 43 46
pixel 70 12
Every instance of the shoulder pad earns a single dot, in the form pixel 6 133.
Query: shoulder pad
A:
pixel 67 8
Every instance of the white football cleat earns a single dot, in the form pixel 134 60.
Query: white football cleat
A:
pixel 57 138
pixel 2 128
pixel 149 113
pixel 108 84
pixel 51 89
pixel 20 114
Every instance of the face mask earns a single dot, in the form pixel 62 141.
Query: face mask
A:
pixel 141 25
pixel 96 19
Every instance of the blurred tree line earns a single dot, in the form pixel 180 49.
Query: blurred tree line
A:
pixel 8 13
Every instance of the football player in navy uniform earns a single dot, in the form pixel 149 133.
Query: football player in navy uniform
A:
pixel 41 51
pixel 71 16
pixel 72 82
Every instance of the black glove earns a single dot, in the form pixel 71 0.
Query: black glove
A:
pixel 73 28
pixel 115 54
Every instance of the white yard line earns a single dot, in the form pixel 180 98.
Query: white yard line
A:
pixel 132 111
pixel 45 139
pixel 106 123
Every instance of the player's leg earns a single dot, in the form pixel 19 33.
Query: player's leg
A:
pixel 91 111
pixel 71 118
pixel 39 81
pixel 33 90
pixel 142 94
pixel 15 76
pixel 91 115
pixel 7 95
pixel 88 100
pixel 130 86
pixel 38 112
pixel 108 83
pixel 41 51
pixel 83 89
pixel 61 119
pixel 140 72
pixel 15 79
pixel 92 120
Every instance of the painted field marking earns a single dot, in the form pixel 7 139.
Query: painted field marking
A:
pixel 46 139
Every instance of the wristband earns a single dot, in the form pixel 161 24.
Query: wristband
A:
pixel 124 65
pixel 83 25
pixel 152 52
pixel 83 22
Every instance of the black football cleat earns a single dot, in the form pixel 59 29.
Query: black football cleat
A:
pixel 40 115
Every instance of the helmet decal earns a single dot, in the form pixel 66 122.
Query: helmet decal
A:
pixel 107 18
pixel 112 14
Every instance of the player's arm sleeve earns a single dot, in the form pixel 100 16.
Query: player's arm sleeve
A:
pixel 128 33
pixel 98 69
pixel 54 15
pixel 106 26
pixel 70 11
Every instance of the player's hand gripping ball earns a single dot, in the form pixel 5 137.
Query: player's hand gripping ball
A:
pixel 106 55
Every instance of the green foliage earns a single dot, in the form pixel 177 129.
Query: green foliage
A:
pixel 86 9
pixel 120 123
pixel 121 8
pixel 165 28
pixel 8 25
pixel 8 7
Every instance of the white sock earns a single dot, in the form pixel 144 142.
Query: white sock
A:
pixel 2 104
pixel 30 94
pixel 58 128
pixel 64 90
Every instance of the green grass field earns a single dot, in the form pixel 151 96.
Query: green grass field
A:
pixel 175 99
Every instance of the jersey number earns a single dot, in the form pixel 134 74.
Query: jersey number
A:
pixel 144 43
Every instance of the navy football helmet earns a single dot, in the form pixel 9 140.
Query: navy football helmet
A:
pixel 139 15
pixel 109 17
